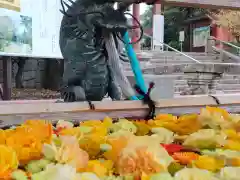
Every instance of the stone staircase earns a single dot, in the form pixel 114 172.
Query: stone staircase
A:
pixel 169 64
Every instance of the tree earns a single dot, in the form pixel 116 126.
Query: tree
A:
pixel 6 31
pixel 146 17
pixel 146 22
pixel 174 18
pixel 26 22
pixel 230 20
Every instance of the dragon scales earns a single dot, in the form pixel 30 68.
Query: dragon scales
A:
pixel 87 75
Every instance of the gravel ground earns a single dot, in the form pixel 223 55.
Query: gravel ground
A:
pixel 34 94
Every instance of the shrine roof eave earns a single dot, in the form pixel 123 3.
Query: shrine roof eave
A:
pixel 195 19
pixel 214 4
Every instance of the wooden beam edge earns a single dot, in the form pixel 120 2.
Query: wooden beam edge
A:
pixel 201 5
pixel 10 6
pixel 108 106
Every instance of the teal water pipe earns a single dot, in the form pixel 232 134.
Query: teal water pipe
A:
pixel 134 63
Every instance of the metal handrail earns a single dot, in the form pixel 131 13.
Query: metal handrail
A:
pixel 224 42
pixel 197 61
pixel 170 47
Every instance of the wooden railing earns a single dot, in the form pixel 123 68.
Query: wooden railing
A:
pixel 216 45
pixel 15 113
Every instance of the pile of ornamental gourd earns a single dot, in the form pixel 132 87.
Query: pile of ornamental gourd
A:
pixel 203 146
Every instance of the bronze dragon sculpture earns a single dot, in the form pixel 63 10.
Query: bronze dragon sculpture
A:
pixel 87 75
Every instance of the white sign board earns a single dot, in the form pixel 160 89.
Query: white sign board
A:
pixel 34 31
pixel 158 30
pixel 181 36
pixel 200 36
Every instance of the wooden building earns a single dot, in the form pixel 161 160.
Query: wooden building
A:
pixel 197 27
pixel 206 26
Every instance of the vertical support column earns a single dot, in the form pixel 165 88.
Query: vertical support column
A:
pixel 7 78
pixel 156 11
pixel 136 33
pixel 157 8
pixel 191 37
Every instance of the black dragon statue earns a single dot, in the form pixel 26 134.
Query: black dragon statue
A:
pixel 87 75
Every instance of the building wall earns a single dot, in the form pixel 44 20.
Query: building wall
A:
pixel 223 34
pixel 197 24
pixel 218 32
pixel 32 74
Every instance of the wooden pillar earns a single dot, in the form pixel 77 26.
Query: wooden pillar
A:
pixel 157 8
pixel 136 34
pixel 7 78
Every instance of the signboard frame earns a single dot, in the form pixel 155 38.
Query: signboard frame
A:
pixel 10 4
pixel 200 39
pixel 25 32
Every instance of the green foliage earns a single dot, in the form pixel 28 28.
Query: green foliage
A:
pixel 1 45
pixel 174 18
pixel 27 35
pixel 146 22
pixel 146 18
pixel 174 23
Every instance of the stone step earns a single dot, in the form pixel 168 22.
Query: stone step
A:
pixel 177 63
pixel 182 76
pixel 178 68
pixel 181 69
pixel 169 52
pixel 179 58
pixel 160 54
pixel 177 94
pixel 180 82
pixel 232 91
pixel 221 81
pixel 218 86
pixel 228 87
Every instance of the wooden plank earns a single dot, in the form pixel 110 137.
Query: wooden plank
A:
pixel 228 4
pixel 88 115
pixel 44 107
pixel 15 113
pixel 163 103
pixel 108 106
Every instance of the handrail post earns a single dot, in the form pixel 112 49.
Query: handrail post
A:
pixel 209 44
pixel 221 51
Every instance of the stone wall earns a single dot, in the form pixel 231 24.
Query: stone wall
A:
pixel 32 75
